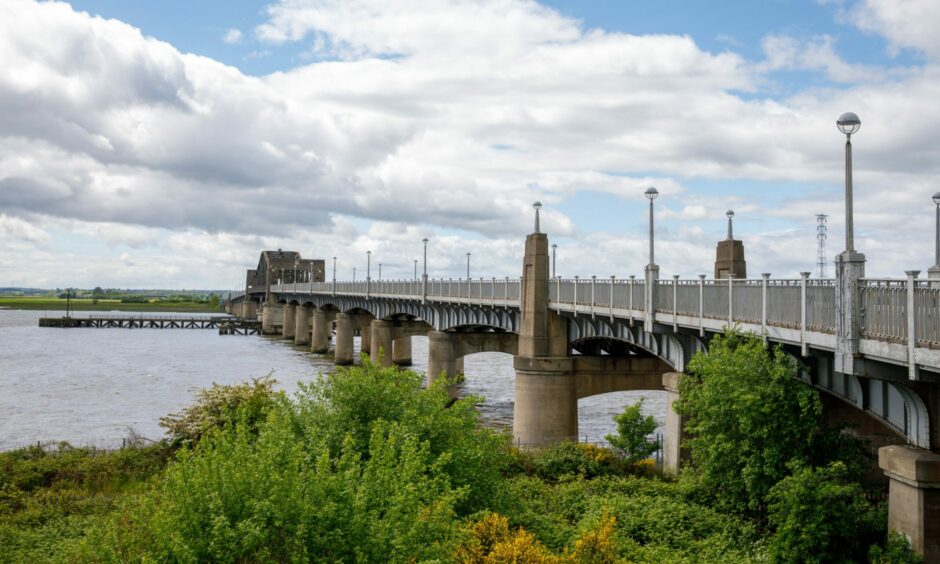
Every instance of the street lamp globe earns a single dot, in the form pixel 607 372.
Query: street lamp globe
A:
pixel 537 206
pixel 729 214
pixel 848 123
pixel 651 193
pixel 936 198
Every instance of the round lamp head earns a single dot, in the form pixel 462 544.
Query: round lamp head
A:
pixel 537 206
pixel 425 240
pixel 651 193
pixel 848 123
pixel 729 213
pixel 554 245
pixel 936 198
pixel 368 252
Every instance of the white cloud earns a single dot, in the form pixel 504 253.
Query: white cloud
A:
pixel 904 23
pixel 233 36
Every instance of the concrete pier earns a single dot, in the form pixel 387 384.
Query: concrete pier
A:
pixel 914 496
pixel 290 321
pixel 320 339
pixel 270 315
pixel 401 351
pixel 365 330
pixel 343 352
pixel 302 326
pixel 546 407
pixel 442 360
pixel 381 350
pixel 673 453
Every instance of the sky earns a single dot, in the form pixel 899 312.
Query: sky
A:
pixel 164 145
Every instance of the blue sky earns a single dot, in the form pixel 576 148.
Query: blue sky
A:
pixel 366 125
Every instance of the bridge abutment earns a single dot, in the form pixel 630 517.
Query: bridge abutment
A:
pixel 914 496
pixel 381 345
pixel 320 339
pixel 289 325
pixel 343 352
pixel 546 405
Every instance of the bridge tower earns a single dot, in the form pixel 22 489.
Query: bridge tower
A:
pixel 729 256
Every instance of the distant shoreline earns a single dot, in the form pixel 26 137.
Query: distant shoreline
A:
pixel 55 304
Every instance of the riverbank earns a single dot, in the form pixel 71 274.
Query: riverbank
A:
pixel 85 304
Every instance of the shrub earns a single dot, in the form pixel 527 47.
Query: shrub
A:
pixel 569 459
pixel 633 430
pixel 818 515
pixel 219 405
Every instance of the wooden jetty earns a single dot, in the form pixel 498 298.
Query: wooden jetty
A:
pixel 136 322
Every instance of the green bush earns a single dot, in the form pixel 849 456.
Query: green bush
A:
pixel 633 430
pixel 219 406
pixel 818 515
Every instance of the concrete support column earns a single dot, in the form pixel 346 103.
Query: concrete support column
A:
pixel 546 406
pixel 343 353
pixel 673 453
pixel 365 342
pixel 442 360
pixel 251 311
pixel 914 496
pixel 401 351
pixel 381 345
pixel 302 326
pixel 850 267
pixel 458 365
pixel 320 339
pixel 290 321
pixel 269 313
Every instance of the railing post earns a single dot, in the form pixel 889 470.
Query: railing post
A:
pixel 493 293
pixel 632 280
pixel 652 277
pixel 730 300
pixel 424 288
pixel 804 350
pixel 558 289
pixel 576 296
pixel 593 300
pixel 850 268
pixel 675 302
pixel 506 293
pixel 481 291
pixel 610 301
pixel 913 372
pixel 701 305
pixel 765 277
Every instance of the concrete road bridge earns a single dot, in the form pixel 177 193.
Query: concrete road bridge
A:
pixel 871 345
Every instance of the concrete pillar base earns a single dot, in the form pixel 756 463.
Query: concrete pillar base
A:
pixel 290 321
pixel 914 496
pixel 546 406
pixel 302 326
pixel 401 351
pixel 343 352
pixel 270 313
pixel 320 339
pixel 365 339
pixel 674 455
pixel 442 360
pixel 381 350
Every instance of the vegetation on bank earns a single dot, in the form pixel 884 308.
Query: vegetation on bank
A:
pixel 365 465
pixel 95 304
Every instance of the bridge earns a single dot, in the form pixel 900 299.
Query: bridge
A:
pixel 872 345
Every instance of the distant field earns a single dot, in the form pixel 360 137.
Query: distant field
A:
pixel 102 305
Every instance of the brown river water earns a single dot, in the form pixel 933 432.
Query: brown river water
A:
pixel 92 386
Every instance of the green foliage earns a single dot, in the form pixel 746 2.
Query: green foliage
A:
pixel 633 430
pixel 219 406
pixel 819 515
pixel 749 419
pixel 568 460
pixel 897 550
pixel 50 498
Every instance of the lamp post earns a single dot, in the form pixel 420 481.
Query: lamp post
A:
pixel 554 248
pixel 416 270
pixel 368 272
pixel 468 266
pixel 537 206
pixel 425 241
pixel 354 274
pixel 380 271
pixel 934 271
pixel 651 194
pixel 730 214
pixel 848 123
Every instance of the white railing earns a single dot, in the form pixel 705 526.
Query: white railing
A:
pixel 807 305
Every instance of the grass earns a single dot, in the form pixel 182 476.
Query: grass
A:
pixel 86 304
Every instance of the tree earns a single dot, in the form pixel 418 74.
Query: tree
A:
pixel 633 430
pixel 750 420
pixel 820 515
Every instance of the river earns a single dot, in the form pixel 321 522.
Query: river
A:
pixel 92 386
